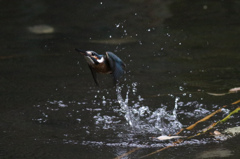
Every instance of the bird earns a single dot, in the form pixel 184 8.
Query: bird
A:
pixel 105 64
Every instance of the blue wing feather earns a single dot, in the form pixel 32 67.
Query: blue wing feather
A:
pixel 116 65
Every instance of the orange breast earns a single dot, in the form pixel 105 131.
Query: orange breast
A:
pixel 102 68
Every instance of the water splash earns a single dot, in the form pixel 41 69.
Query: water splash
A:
pixel 143 120
pixel 124 107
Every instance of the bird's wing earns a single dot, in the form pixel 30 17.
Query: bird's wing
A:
pixel 116 65
pixel 94 74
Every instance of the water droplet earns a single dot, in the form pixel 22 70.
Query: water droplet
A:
pixel 117 25
pixel 181 88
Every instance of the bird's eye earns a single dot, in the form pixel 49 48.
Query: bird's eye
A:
pixel 93 54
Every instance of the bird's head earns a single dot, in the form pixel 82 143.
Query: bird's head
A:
pixel 91 56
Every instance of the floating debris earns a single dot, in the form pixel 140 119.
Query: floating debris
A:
pixel 234 90
pixel 164 137
pixel 217 133
pixel 217 94
pixel 41 29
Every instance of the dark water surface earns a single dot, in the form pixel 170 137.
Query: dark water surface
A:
pixel 176 53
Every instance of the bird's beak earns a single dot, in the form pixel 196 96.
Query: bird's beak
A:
pixel 82 52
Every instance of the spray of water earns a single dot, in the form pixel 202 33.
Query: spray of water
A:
pixel 142 119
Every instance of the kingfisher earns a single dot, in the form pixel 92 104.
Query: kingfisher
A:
pixel 105 64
